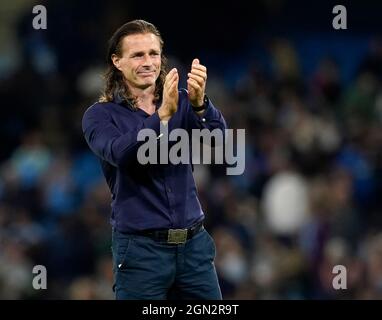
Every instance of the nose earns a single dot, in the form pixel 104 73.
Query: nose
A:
pixel 147 60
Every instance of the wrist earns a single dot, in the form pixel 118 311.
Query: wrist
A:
pixel 201 106
pixel 164 115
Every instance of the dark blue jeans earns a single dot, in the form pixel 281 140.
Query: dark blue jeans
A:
pixel 147 269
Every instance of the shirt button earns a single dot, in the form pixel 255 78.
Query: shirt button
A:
pixel 169 190
pixel 203 119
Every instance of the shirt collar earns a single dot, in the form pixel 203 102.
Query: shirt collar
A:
pixel 118 99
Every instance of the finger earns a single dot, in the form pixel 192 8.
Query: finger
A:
pixel 171 88
pixel 170 77
pixel 200 80
pixel 196 64
pixel 174 87
pixel 194 84
pixel 173 82
pixel 199 67
pixel 199 72
pixel 190 89
pixel 172 72
pixel 174 79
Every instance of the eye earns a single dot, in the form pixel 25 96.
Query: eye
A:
pixel 137 55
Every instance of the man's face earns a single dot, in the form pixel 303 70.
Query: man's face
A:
pixel 141 60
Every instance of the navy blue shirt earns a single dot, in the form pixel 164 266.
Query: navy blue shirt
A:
pixel 151 196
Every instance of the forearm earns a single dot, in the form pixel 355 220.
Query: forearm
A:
pixel 111 145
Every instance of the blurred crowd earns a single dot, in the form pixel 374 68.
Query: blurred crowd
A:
pixel 307 201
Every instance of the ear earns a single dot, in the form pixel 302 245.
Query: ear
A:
pixel 116 61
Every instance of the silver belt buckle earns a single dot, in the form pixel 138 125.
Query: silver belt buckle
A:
pixel 177 236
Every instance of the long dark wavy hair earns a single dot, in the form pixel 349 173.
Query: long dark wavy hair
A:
pixel 114 80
